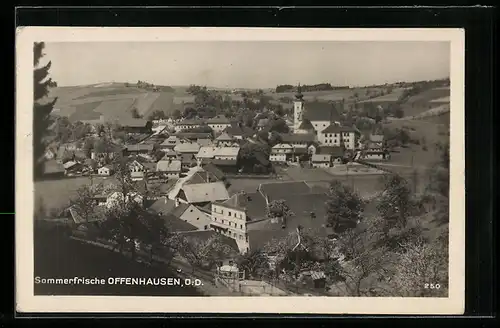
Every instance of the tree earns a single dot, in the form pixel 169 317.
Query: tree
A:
pixel 279 209
pixel 362 264
pixel 422 270
pixel 396 203
pixel 84 202
pixel 41 109
pixel 204 253
pixel 157 115
pixel 176 114
pixel 344 207
pixel 254 263
pixel 189 113
pixel 251 154
pixel 278 125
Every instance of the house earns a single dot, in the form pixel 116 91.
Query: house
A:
pixel 176 224
pixel 206 153
pixel 336 153
pixel 187 161
pixel 136 125
pixel 169 167
pixel 72 168
pixel 169 143
pixel 218 123
pixel 239 131
pixel 336 135
pixel 377 139
pixel 192 215
pixel 52 168
pixel 161 206
pixel 303 139
pixel 106 170
pixel 187 148
pixel 188 124
pixel 226 140
pixel 279 153
pixel 139 149
pixel 202 193
pixel 321 160
pixel 193 136
pixel 377 154
pixel 170 153
pixel 227 153
pixel 230 217
pixel 137 170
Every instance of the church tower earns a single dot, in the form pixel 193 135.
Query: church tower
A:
pixel 298 108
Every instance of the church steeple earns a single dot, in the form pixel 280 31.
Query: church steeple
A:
pixel 299 94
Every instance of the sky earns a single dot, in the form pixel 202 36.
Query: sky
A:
pixel 248 64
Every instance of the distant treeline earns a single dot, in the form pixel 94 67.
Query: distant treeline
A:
pixel 305 88
pixel 151 87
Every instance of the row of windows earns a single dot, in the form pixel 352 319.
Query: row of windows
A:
pixel 229 213
pixel 231 224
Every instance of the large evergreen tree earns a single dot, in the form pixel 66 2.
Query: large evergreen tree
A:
pixel 41 109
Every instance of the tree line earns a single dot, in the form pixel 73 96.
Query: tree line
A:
pixel 312 87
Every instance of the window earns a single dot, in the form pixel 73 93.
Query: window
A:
pixel 229 213
pixel 191 210
pixel 241 237
pixel 241 226
pixel 222 221
pixel 206 227
pixel 197 219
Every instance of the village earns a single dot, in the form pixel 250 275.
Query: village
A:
pixel 255 196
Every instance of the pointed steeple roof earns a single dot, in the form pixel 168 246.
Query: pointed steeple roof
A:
pixel 299 94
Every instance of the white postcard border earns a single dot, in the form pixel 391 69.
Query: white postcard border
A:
pixel 27 302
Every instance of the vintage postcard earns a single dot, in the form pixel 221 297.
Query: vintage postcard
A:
pixel 190 170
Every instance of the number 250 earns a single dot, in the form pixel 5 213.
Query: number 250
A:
pixel 432 286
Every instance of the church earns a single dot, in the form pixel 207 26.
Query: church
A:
pixel 323 120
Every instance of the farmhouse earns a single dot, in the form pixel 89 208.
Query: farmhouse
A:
pixel 187 148
pixel 72 168
pixel 227 153
pixel 170 143
pixel 169 167
pixel 279 153
pixel 188 124
pixel 321 160
pixel 137 170
pixel 135 125
pixel 219 123
pixel 192 215
pixel 226 140
pixel 336 153
pixel 206 153
pixel 139 149
pixel 106 170
pixel 187 161
pixel 202 194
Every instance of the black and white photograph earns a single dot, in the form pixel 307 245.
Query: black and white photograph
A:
pixel 173 165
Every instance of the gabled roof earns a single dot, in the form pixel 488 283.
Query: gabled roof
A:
pixel 212 169
pixel 300 137
pixel 190 122
pixel 205 192
pixel 69 164
pixel 282 146
pixel 206 152
pixel 227 151
pixel 187 147
pixel 239 130
pixel 253 203
pixel 180 209
pixel 140 147
pixel 193 135
pixel 162 205
pixel 321 111
pixel 168 166
pixel 224 137
pixel 306 125
pixel 334 128
pixel 278 190
pixel 331 150
pixel 219 119
pixel 175 224
pixel 321 158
